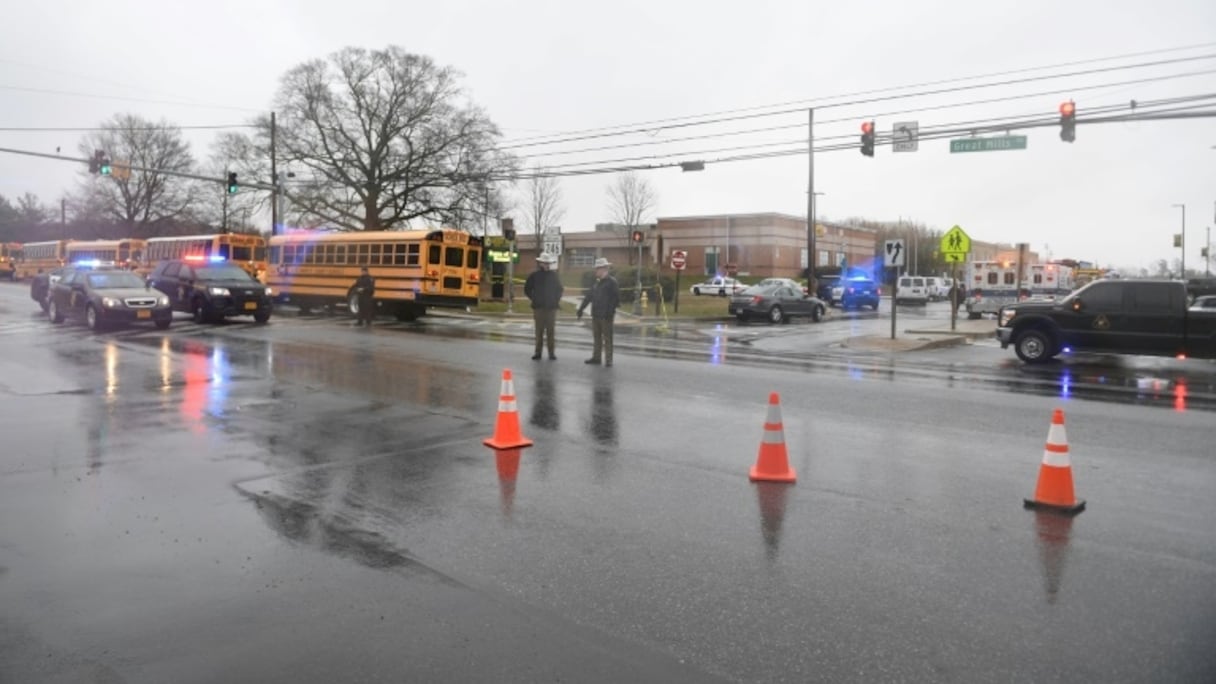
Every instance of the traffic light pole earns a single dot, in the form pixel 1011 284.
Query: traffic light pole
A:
pixel 637 292
pixel 811 283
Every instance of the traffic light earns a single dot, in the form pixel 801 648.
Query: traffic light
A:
pixel 637 237
pixel 1068 121
pixel 867 138
pixel 232 184
pixel 95 162
pixel 104 167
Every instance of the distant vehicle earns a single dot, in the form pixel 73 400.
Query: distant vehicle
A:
pixel 776 302
pixel 718 285
pixel 788 282
pixel 1205 303
pixel 102 297
pixel 9 253
pixel 1148 317
pixel 914 289
pixel 993 285
pixel 211 289
pixel 824 290
pixel 855 293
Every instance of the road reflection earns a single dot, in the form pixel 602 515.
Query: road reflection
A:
pixel 1052 533
pixel 771 497
pixel 506 461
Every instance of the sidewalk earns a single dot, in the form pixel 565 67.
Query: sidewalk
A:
pixel 914 339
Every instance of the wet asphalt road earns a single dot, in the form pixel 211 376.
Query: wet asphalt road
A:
pixel 309 502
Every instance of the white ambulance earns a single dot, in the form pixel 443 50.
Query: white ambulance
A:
pixel 990 284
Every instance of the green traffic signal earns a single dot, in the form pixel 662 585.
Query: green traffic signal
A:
pixel 105 167
pixel 232 184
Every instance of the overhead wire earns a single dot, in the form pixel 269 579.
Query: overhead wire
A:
pixel 912 110
pixel 695 153
pixel 1138 112
pixel 1060 65
pixel 872 100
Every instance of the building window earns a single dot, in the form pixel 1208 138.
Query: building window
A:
pixel 580 259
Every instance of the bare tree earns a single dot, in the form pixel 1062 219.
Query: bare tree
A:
pixel 247 157
pixel 544 202
pixel 31 210
pixel 383 137
pixel 138 200
pixel 630 199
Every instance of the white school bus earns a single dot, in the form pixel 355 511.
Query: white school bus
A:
pixel 414 269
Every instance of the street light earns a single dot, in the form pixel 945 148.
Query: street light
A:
pixel 1182 241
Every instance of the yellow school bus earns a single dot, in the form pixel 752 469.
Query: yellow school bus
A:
pixel 40 257
pixel 127 253
pixel 10 252
pixel 246 251
pixel 413 269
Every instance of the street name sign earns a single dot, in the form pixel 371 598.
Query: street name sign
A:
pixel 1007 142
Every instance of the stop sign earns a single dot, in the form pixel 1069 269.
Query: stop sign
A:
pixel 678 259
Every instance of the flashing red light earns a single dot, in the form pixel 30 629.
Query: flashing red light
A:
pixel 1068 108
pixel 867 127
pixel 194 258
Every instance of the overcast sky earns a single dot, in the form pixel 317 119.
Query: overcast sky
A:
pixel 541 68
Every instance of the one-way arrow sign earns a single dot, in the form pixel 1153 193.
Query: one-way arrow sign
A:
pixel 894 254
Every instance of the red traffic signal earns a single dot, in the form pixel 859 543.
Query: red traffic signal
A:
pixel 1068 121
pixel 867 138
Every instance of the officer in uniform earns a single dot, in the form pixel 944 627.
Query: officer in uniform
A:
pixel 364 288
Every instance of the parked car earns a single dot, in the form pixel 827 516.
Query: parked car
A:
pixel 718 285
pixel 101 297
pixel 788 282
pixel 856 293
pixel 824 290
pixel 777 303
pixel 1205 303
pixel 212 289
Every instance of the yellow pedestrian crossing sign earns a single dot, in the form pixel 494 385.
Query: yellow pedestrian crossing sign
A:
pixel 955 241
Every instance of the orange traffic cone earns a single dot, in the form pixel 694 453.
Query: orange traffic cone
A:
pixel 506 430
pixel 1054 491
pixel 773 464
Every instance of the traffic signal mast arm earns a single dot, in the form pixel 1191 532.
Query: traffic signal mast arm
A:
pixel 164 172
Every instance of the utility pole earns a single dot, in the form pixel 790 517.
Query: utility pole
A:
pixel 811 283
pixel 1182 239
pixel 274 180
pixel 63 211
pixel 637 292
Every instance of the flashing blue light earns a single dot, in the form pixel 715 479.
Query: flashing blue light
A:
pixel 91 263
pixel 1067 350
pixel 215 259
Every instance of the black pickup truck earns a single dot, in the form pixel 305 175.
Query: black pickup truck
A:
pixel 1146 317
